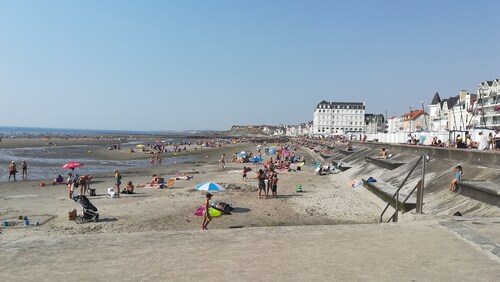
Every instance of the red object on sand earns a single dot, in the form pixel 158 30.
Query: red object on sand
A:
pixel 71 165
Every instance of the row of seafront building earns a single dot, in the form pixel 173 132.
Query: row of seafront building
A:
pixel 456 114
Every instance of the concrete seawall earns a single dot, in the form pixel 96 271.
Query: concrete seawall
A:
pixel 480 168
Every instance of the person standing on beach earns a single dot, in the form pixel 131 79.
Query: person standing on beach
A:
pixel 118 181
pixel 70 183
pixel 274 187
pixel 206 214
pixel 261 177
pixel 222 161
pixel 12 170
pixel 24 168
pixel 84 182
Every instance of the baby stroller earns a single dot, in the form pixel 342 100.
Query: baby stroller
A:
pixel 89 211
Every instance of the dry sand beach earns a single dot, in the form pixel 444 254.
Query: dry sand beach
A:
pixel 325 200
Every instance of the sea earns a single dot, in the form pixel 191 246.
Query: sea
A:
pixel 44 163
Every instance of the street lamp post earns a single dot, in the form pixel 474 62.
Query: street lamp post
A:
pixel 409 128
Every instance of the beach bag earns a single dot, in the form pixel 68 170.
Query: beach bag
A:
pixel 371 180
pixel 92 192
pixel 111 192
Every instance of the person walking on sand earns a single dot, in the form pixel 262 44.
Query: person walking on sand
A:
pixel 245 173
pixel 24 168
pixel 12 170
pixel 206 214
pixel 118 181
pixel 456 179
pixel 222 161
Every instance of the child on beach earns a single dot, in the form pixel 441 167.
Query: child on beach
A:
pixel 244 173
pixel 206 215
pixel 71 186
pixel 129 189
pixel 274 187
pixel 456 179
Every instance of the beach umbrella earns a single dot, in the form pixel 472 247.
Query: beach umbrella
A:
pixel 71 165
pixel 209 187
pixel 139 146
pixel 255 160
pixel 242 154
pixel 272 151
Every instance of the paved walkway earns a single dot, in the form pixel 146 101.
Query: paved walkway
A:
pixel 418 251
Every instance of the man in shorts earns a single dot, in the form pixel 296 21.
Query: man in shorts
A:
pixel 12 170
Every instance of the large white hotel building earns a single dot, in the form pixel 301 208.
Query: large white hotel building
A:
pixel 331 118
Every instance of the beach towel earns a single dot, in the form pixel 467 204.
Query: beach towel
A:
pixel 355 183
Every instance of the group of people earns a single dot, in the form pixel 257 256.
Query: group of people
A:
pixel 13 170
pixel 76 181
pixel 267 181
pixel 490 142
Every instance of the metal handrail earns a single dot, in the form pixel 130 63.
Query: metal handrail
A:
pixel 396 194
pixel 406 199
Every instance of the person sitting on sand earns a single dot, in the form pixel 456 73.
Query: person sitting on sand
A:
pixel 129 188
pixel 155 180
pixel 58 180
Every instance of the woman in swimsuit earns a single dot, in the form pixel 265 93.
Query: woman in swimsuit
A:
pixel 261 177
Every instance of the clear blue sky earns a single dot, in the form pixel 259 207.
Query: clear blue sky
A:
pixel 173 65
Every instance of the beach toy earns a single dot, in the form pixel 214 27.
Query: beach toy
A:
pixel 298 188
pixel 213 212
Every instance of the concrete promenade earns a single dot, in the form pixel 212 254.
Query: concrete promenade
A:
pixel 452 249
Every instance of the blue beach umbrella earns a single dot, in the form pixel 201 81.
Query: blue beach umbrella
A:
pixel 255 160
pixel 272 151
pixel 209 187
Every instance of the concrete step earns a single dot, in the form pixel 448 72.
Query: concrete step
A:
pixel 484 191
pixel 385 192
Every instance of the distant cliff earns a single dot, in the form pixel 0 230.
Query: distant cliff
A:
pixel 247 130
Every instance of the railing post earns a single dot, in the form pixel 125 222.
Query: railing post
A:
pixel 395 217
pixel 420 189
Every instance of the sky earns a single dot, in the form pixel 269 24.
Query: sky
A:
pixel 208 65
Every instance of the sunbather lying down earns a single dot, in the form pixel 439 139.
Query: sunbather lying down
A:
pixel 157 185
pixel 183 177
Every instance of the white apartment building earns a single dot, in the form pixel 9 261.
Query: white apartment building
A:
pixel 488 104
pixel 454 113
pixel 331 118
